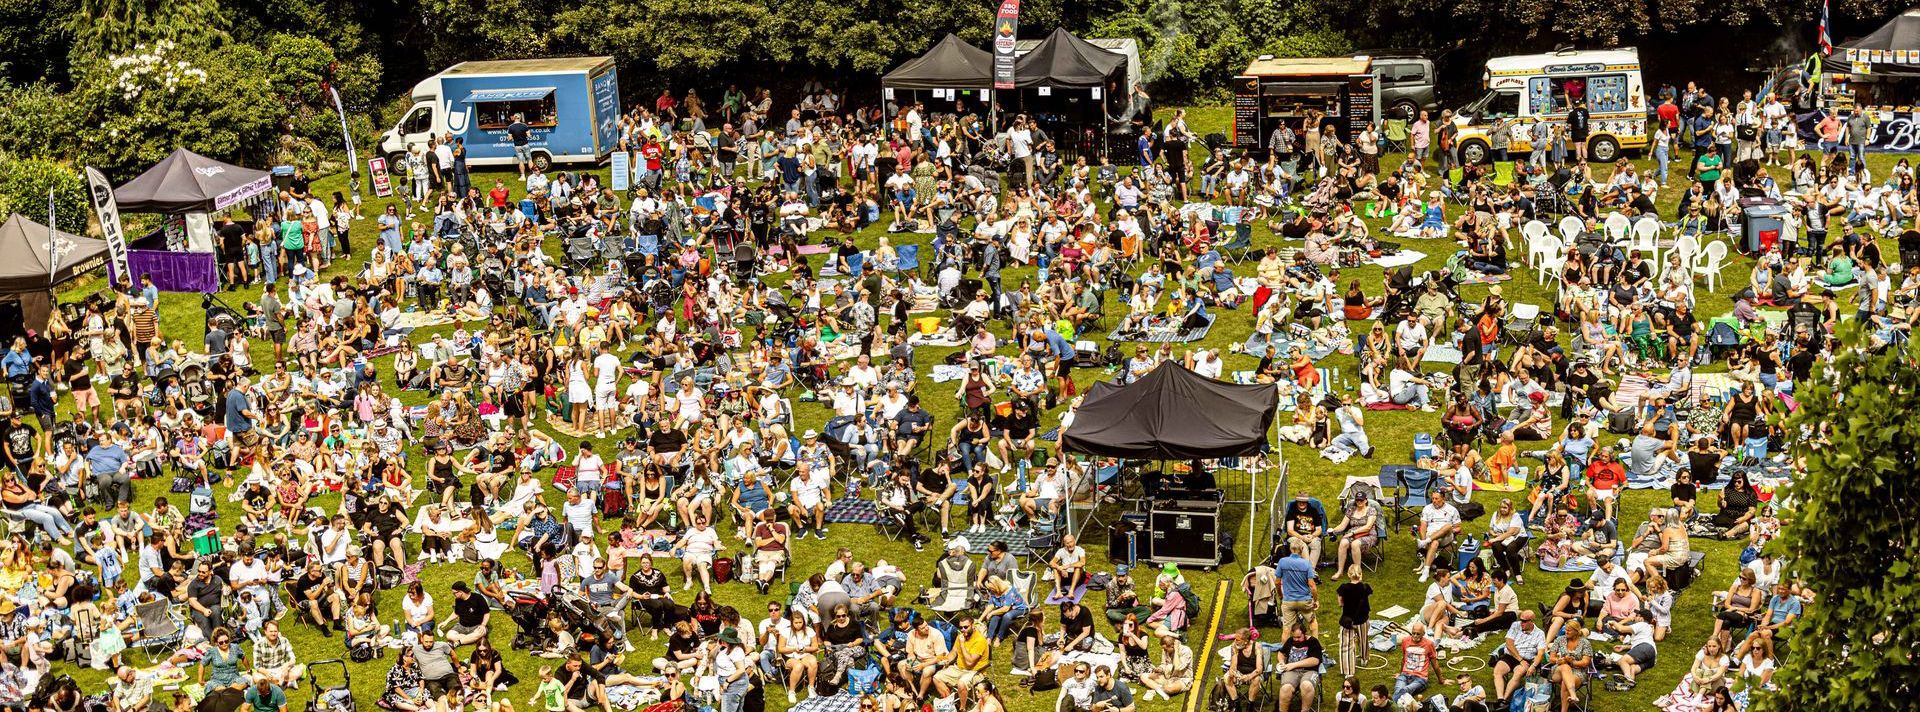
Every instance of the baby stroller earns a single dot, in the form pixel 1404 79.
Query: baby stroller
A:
pixel 530 616
pixel 330 697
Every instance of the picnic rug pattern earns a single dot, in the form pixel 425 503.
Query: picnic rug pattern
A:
pixel 853 510
pixel 1163 334
pixel 977 542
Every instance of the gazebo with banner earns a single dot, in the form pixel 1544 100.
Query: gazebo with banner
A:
pixel 1174 414
pixel 952 77
pixel 34 260
pixel 1075 91
pixel 188 188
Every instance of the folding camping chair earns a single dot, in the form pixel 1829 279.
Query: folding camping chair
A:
pixel 906 258
pixel 162 627
pixel 1410 488
pixel 952 590
pixel 1522 323
pixel 1396 135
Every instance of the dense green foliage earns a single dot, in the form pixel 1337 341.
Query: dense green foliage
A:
pixel 1853 534
pixel 277 53
pixel 24 184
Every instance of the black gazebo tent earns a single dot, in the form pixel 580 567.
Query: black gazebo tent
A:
pixel 950 64
pixel 1173 413
pixel 29 271
pixel 1068 86
pixel 185 181
pixel 951 72
pixel 1065 61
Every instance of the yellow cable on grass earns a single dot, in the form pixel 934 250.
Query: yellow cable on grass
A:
pixel 1213 634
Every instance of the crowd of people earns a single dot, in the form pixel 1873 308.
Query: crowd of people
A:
pixel 612 408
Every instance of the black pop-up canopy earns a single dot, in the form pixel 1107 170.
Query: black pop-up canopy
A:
pixel 185 181
pixel 1892 49
pixel 1173 413
pixel 26 261
pixel 950 64
pixel 1063 60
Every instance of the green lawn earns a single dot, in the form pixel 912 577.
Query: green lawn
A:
pixel 1392 432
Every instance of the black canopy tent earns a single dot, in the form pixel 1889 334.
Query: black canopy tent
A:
pixel 1893 49
pixel 185 181
pixel 34 259
pixel 1172 413
pixel 1072 89
pixel 949 73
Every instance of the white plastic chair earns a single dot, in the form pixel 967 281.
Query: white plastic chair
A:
pixel 1617 226
pixel 1570 229
pixel 1688 248
pixel 1646 238
pixel 1714 258
pixel 1551 262
pixel 1540 246
pixel 1533 231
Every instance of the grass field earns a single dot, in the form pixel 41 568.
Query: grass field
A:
pixel 1392 433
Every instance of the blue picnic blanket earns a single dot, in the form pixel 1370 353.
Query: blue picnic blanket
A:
pixel 1171 333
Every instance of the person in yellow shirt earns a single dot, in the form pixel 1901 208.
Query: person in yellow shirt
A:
pixel 966 661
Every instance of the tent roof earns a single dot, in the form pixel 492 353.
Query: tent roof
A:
pixel 186 181
pixel 1063 60
pixel 1901 32
pixel 1173 413
pixel 950 64
pixel 24 260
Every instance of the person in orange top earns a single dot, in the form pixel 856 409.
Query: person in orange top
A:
pixel 1605 476
pixel 1503 459
pixel 1305 376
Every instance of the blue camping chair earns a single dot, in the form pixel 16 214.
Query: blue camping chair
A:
pixel 1410 487
pixel 648 245
pixel 907 258
pixel 856 263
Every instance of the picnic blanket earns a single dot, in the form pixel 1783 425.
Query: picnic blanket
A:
pixel 418 320
pixel 1708 386
pixel 1015 539
pixel 1254 347
pixel 1442 353
pixel 1630 391
pixel 844 702
pixel 1398 259
pixel 1172 333
pixel 1058 597
pixel 944 373
pixel 853 510
pixel 939 338
pixel 1484 278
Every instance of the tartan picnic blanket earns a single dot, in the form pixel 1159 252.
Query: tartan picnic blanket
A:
pixel 1015 539
pixel 1168 334
pixel 845 702
pixel 853 510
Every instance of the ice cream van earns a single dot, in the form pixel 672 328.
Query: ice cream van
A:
pixel 1531 88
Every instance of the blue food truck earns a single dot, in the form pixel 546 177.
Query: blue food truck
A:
pixel 570 104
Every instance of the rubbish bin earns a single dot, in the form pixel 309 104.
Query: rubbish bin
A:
pixel 1761 223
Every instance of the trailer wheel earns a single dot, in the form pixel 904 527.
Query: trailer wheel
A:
pixel 1475 152
pixel 542 160
pixel 1603 149
pixel 395 161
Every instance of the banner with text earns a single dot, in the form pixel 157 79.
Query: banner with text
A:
pixel 1006 29
pixel 104 207
pixel 382 183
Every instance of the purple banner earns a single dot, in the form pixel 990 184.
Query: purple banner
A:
pixel 175 271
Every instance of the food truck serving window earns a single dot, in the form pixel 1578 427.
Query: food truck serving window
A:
pixel 1555 95
pixel 495 108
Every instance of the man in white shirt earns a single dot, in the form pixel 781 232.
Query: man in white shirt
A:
pixel 1519 656
pixel 811 488
pixel 1411 337
pixel 697 547
pixel 606 375
pixel 1405 388
pixel 1439 521
pixel 1636 648
pixel 1020 147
